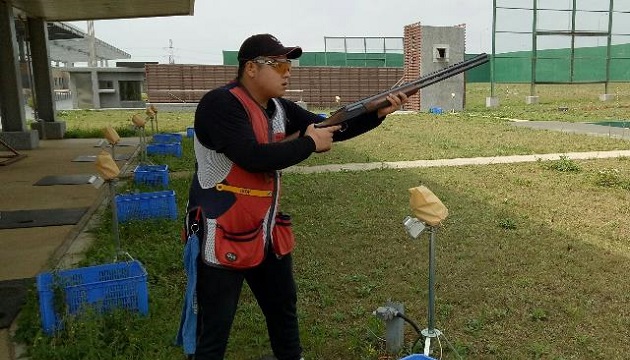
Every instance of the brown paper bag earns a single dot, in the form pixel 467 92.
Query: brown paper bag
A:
pixel 138 120
pixel 150 113
pixel 106 166
pixel 426 206
pixel 111 135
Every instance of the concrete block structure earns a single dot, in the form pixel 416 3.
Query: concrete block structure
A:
pixel 428 49
pixel 102 87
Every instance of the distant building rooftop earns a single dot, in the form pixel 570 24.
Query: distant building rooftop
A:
pixel 69 44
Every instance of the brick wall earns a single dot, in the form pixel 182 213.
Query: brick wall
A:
pixel 320 85
pixel 412 70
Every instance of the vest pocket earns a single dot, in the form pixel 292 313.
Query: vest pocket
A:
pixel 283 240
pixel 239 250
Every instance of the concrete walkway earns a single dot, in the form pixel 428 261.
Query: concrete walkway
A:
pixel 577 128
pixel 456 162
pixel 25 252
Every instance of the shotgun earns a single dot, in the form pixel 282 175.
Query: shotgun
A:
pixel 379 101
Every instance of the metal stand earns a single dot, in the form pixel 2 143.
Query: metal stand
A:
pixel 13 157
pixel 113 146
pixel 431 332
pixel 152 127
pixel 115 233
pixel 143 147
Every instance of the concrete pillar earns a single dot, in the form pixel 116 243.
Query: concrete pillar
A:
pixel 412 43
pixel 532 100
pixel 42 76
pixel 14 130
pixel 46 124
pixel 12 99
pixel 492 102
pixel 96 95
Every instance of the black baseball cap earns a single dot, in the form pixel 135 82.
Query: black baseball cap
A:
pixel 266 45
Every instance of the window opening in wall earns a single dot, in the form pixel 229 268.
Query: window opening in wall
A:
pixel 130 90
pixel 105 84
pixel 440 53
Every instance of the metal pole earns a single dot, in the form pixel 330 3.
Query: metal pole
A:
pixel 345 49
pixel 572 61
pixel 143 146
pixel 609 45
pixel 115 234
pixel 432 279
pixel 532 89
pixel 492 59
pixel 431 332
pixel 326 50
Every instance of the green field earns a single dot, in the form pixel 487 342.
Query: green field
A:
pixel 531 261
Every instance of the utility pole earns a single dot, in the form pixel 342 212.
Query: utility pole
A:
pixel 91 44
pixel 171 55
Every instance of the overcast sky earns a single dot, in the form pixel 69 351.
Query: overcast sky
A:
pixel 223 25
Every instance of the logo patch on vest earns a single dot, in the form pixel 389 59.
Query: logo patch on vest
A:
pixel 231 257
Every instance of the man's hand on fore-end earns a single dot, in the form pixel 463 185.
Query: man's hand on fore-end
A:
pixel 323 137
pixel 396 100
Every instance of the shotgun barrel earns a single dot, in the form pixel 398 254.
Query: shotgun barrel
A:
pixel 378 101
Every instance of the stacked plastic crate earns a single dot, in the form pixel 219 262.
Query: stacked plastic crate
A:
pixel 157 204
pixel 121 285
pixel 166 144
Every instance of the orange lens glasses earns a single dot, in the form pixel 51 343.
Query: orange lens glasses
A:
pixel 280 65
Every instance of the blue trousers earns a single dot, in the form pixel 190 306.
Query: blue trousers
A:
pixel 218 292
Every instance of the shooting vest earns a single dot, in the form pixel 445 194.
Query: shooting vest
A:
pixel 240 208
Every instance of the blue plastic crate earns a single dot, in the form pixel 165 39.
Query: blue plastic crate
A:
pixel 436 110
pixel 417 357
pixel 148 205
pixel 121 285
pixel 167 138
pixel 165 149
pixel 156 175
pixel 190 132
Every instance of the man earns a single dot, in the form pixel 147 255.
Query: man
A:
pixel 240 148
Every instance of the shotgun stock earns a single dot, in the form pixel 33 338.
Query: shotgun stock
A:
pixel 380 101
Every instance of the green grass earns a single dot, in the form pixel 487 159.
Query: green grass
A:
pixel 573 103
pixel 83 123
pixel 427 136
pixel 531 262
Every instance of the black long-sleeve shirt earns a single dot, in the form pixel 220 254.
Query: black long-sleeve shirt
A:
pixel 221 124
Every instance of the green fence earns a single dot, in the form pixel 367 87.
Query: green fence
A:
pixel 479 74
pixel 552 66
pixel 336 59
pixel 588 65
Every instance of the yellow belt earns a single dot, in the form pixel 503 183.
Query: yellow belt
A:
pixel 243 191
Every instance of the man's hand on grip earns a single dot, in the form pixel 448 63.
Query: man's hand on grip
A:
pixel 323 137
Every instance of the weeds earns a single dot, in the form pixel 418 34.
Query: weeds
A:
pixel 564 164
pixel 608 178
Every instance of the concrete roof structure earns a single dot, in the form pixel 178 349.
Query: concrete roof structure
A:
pixel 71 10
pixel 51 40
pixel 70 44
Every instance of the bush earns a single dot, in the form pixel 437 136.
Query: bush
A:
pixel 608 178
pixel 564 164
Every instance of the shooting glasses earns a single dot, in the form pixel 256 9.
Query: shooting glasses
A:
pixel 281 65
